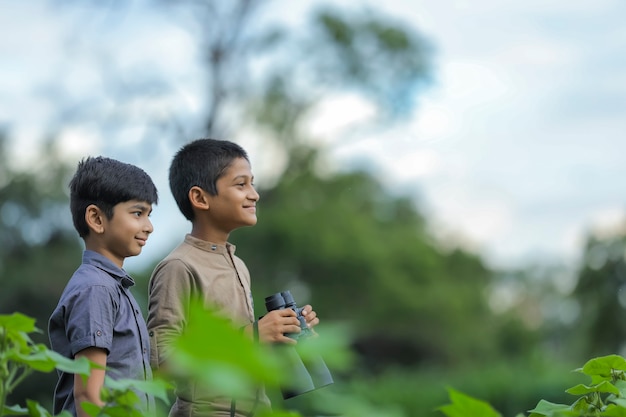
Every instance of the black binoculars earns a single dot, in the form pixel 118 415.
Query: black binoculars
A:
pixel 304 376
pixel 283 300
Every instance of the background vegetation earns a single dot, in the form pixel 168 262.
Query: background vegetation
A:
pixel 420 313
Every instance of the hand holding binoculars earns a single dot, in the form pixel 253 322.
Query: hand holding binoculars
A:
pixel 304 376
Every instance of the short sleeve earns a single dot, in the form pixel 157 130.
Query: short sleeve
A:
pixel 90 318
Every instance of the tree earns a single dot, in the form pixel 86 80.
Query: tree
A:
pixel 600 294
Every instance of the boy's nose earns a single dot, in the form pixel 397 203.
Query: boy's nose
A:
pixel 148 227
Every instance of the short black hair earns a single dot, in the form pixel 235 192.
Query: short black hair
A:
pixel 200 164
pixel 106 182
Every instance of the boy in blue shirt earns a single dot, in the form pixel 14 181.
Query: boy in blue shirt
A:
pixel 97 316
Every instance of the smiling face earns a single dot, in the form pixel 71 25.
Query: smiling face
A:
pixel 234 205
pixel 126 233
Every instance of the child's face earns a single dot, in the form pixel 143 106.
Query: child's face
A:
pixel 126 233
pixel 235 203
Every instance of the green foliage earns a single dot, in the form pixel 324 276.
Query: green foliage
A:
pixel 509 385
pixel 604 397
pixel 212 352
pixel 464 405
pixel 600 294
pixel 20 357
pixel 121 399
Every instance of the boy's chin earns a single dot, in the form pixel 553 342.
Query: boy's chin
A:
pixel 249 221
pixel 134 252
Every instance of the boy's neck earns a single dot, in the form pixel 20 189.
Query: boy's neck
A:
pixel 93 245
pixel 209 234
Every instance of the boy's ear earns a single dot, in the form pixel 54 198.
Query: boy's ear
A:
pixel 198 198
pixel 94 218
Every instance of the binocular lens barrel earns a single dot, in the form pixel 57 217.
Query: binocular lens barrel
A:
pixel 279 301
pixel 289 301
pixel 275 302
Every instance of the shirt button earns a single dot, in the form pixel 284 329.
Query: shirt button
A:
pixel 136 311
pixel 145 351
pixel 98 333
pixel 151 334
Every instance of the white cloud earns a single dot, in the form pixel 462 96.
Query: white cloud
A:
pixel 608 221
pixel 480 219
pixel 335 115
pixel 78 142
pixel 433 121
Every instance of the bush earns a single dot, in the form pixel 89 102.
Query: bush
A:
pixel 605 396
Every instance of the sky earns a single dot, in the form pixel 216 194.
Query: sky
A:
pixel 517 149
pixel 529 150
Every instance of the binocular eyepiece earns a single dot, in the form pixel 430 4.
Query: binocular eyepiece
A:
pixel 303 376
pixel 283 300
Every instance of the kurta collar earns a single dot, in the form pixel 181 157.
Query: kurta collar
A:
pixel 207 246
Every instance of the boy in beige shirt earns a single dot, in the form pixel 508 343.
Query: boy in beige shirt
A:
pixel 212 183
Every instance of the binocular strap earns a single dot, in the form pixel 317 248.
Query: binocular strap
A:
pixel 233 406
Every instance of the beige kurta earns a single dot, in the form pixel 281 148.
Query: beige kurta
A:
pixel 197 268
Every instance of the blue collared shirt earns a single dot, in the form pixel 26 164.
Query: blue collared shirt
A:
pixel 97 309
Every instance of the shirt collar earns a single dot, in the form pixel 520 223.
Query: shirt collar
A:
pixel 210 246
pixel 102 262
